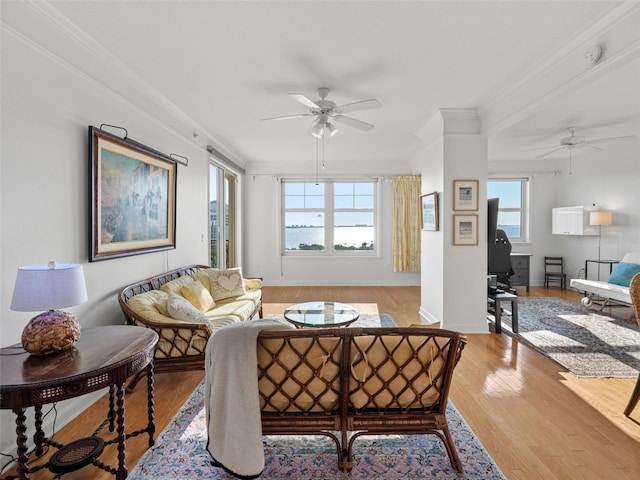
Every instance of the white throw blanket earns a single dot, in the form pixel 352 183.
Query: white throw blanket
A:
pixel 231 397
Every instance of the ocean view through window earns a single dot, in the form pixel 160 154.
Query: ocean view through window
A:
pixel 513 209
pixel 330 217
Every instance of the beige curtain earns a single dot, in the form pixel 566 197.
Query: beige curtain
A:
pixel 406 223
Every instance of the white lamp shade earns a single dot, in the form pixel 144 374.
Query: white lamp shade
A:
pixel 600 218
pixel 48 287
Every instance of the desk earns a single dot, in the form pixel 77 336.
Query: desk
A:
pixel 520 265
pixel 497 298
pixel 611 263
pixel 103 357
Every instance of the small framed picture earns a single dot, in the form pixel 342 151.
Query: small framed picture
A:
pixel 465 229
pixel 430 212
pixel 465 195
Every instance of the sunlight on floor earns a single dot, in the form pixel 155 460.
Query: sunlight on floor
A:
pixel 612 394
pixel 507 381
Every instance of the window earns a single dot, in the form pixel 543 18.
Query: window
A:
pixel 513 212
pixel 329 217
pixel 222 217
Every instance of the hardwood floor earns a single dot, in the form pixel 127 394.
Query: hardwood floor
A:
pixel 536 420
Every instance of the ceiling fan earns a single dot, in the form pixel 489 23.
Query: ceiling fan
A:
pixel 574 141
pixel 325 111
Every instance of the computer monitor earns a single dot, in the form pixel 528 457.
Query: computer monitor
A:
pixel 492 219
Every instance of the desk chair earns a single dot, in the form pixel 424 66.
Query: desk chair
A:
pixel 634 291
pixel 554 271
pixel 500 259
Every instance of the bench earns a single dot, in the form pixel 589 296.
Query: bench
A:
pixel 607 291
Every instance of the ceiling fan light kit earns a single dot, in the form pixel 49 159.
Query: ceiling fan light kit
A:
pixel 326 111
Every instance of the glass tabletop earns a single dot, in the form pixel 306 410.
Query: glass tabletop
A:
pixel 321 314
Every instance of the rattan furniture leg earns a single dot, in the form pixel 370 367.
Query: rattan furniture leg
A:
pixel 635 397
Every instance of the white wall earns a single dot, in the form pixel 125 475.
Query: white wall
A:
pixel 262 235
pixel 47 107
pixel 606 180
pixel 454 276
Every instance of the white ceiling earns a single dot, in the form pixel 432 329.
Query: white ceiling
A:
pixel 221 66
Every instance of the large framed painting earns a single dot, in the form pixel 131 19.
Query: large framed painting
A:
pixel 465 195
pixel 133 197
pixel 430 212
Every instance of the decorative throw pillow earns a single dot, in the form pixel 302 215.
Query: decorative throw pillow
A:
pixel 226 283
pixel 180 309
pixel 623 273
pixel 198 296
pixel 174 286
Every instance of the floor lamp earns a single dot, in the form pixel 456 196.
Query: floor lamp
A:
pixel 599 219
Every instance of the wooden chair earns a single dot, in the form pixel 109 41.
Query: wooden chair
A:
pixel 634 291
pixel 554 271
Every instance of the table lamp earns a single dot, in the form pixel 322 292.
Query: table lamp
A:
pixel 600 219
pixel 48 287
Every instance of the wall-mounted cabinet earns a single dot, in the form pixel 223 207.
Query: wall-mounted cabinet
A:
pixel 570 221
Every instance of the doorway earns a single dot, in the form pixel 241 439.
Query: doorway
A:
pixel 222 217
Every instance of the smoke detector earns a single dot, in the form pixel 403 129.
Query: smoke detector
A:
pixel 593 55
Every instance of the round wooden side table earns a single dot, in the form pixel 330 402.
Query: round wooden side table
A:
pixel 103 357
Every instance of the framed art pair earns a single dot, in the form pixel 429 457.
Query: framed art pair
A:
pixel 465 199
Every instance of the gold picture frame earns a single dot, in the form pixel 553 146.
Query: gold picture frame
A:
pixel 133 198
pixel 465 229
pixel 465 195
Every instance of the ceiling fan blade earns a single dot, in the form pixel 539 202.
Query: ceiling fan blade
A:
pixel 303 99
pixel 586 144
pixel 610 139
pixel 550 152
pixel 289 116
pixel 352 122
pixel 356 106
pixel 539 148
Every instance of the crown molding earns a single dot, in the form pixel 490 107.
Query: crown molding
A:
pixel 565 68
pixel 44 28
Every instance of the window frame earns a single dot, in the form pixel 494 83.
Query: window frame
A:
pixel 329 210
pixel 524 210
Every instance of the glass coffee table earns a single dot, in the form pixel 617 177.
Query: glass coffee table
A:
pixel 321 314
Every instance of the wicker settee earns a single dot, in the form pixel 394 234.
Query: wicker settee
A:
pixel 182 343
pixel 347 382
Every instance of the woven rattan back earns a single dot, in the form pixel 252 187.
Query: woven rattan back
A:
pixel 634 293
pixel 399 372
pixel 299 372
pixel 381 369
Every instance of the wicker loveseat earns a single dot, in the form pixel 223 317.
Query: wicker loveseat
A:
pixel 347 382
pixel 182 343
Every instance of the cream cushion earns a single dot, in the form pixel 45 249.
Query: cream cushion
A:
pixel 174 286
pixel 198 296
pixel 151 305
pixel 226 283
pixel 252 283
pixel 180 309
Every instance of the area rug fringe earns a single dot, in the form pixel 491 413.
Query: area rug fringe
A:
pixel 180 454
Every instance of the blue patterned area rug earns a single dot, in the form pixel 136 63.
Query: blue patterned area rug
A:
pixel 585 342
pixel 180 454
